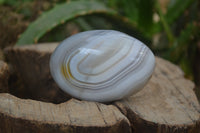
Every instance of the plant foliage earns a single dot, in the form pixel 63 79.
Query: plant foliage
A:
pixel 136 15
pixel 59 15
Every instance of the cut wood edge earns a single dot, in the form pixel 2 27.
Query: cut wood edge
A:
pixel 42 47
pixel 166 104
pixel 19 115
pixel 31 65
pixel 140 125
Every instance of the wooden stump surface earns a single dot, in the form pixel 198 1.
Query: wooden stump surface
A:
pixel 22 116
pixel 31 64
pixel 167 104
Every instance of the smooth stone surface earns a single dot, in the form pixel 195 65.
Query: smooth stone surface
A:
pixel 101 65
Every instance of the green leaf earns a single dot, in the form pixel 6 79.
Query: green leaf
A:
pixel 145 17
pixel 128 8
pixel 165 25
pixel 59 15
pixel 186 33
pixel 2 1
pixel 83 24
pixel 139 12
pixel 174 11
pixel 177 9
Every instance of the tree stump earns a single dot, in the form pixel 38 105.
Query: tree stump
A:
pixel 4 75
pixel 22 116
pixel 167 104
pixel 31 65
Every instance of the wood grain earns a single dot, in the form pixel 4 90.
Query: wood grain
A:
pixel 18 115
pixel 31 65
pixel 167 104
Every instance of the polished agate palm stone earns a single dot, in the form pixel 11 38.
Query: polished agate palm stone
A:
pixel 101 65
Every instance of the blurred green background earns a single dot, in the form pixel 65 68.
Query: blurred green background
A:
pixel 171 28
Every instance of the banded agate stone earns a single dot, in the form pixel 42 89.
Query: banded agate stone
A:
pixel 101 65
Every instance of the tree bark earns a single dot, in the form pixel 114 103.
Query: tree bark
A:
pixel 4 75
pixel 167 104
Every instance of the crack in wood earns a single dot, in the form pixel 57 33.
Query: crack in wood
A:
pixel 101 113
